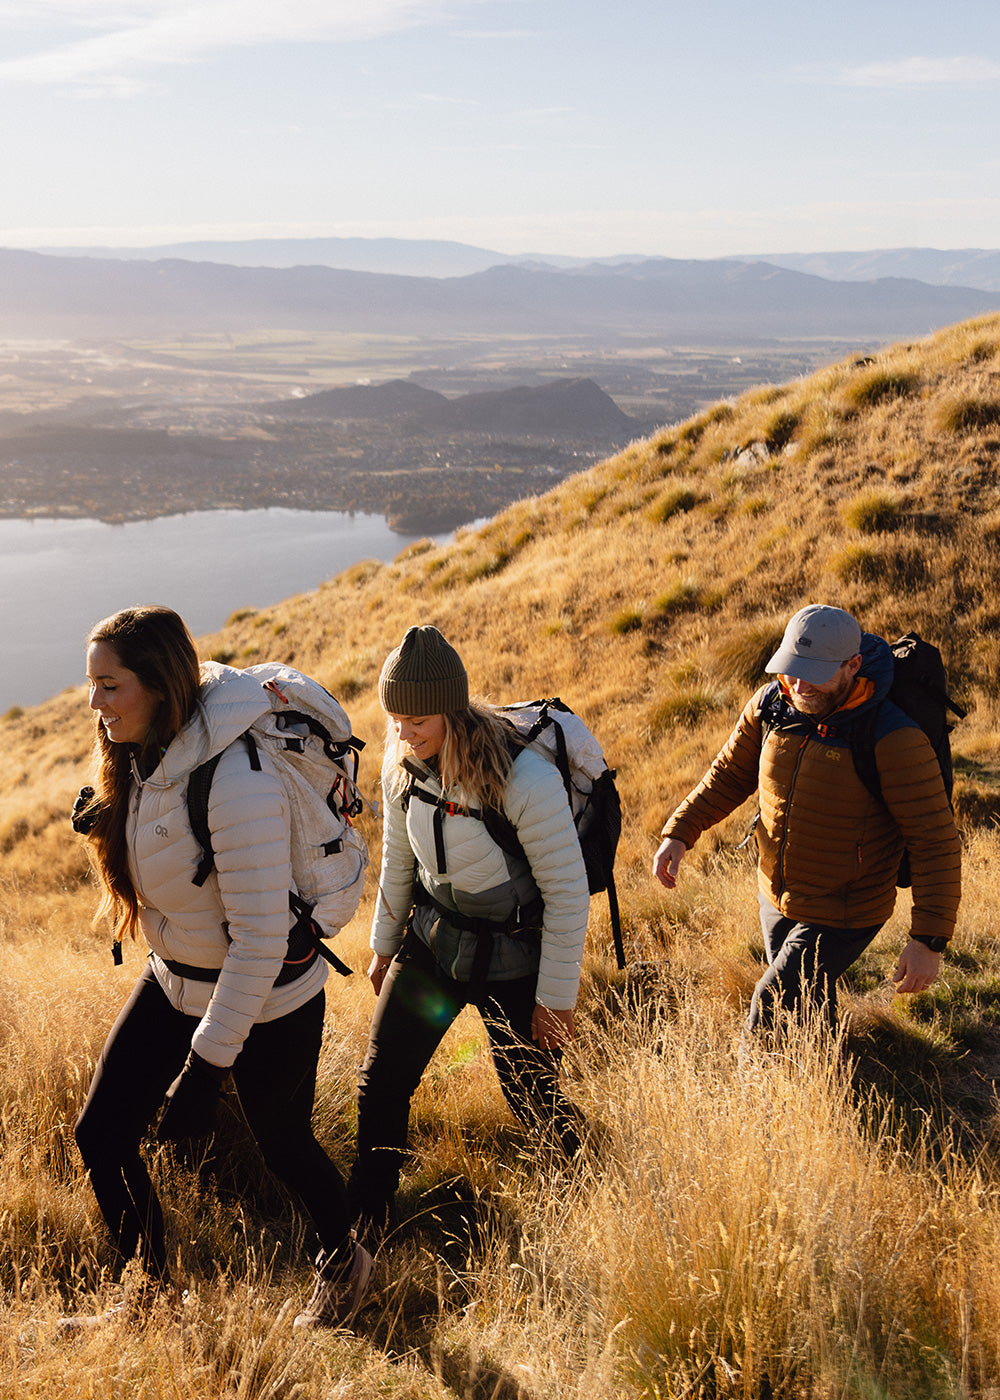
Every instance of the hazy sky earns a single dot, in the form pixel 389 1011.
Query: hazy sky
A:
pixel 580 126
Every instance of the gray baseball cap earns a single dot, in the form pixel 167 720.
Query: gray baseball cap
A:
pixel 817 641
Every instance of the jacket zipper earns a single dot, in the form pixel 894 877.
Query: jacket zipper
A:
pixel 782 844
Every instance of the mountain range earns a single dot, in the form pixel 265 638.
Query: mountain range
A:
pixel 667 300
pixel 955 267
pixel 427 257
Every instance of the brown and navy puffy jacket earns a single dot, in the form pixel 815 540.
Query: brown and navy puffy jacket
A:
pixel 828 850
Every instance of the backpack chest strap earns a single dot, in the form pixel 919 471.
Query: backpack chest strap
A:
pixel 442 808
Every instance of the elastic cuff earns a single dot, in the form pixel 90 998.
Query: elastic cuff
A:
pixel 198 1063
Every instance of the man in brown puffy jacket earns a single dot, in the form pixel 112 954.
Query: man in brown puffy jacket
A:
pixel 828 849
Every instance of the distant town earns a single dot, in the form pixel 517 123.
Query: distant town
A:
pixel 120 432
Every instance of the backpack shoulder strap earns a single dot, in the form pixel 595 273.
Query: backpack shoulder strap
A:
pixel 865 733
pixel 862 740
pixel 768 712
pixel 499 826
pixel 198 789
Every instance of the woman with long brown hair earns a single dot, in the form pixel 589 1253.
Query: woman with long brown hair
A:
pixel 459 919
pixel 219 995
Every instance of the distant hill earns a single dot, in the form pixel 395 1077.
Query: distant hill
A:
pixel 414 257
pixel 566 406
pixel 409 257
pixel 955 267
pixel 672 300
pixel 362 402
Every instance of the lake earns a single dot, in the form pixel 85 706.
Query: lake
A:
pixel 59 577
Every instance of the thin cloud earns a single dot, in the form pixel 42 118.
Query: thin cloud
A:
pixel 85 14
pixel 141 34
pixel 497 34
pixel 921 72
pixel 442 99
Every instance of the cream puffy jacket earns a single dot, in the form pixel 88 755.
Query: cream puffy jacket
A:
pixel 238 921
pixel 481 881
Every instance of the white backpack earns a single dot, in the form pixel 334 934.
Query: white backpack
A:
pixel 308 737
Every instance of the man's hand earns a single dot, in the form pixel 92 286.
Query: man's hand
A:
pixel 377 969
pixel 917 967
pixel 667 860
pixel 552 1030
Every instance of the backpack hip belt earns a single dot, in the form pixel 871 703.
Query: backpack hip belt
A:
pixel 290 971
pixel 524 921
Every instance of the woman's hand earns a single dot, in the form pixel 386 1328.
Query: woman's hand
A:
pixel 552 1030
pixel 377 969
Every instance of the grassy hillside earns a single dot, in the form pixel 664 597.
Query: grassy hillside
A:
pixel 802 1227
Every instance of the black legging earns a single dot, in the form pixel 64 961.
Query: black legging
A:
pixel 417 1004
pixel 275 1077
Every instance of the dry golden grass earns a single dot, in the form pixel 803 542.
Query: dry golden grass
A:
pixel 811 1225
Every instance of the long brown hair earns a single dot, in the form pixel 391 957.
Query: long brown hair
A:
pixel 475 755
pixel 154 643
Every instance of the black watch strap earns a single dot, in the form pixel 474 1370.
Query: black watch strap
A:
pixel 936 945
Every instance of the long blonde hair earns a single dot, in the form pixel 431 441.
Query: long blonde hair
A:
pixel 475 754
pixel 153 643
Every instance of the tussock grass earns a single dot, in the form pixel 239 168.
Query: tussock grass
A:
pixel 628 620
pixel 685 706
pixel 873 513
pixel 743 655
pixel 810 1226
pixel 674 502
pixel 879 385
pixel 779 428
pixel 778 1243
pixel 857 563
pixel 682 595
pixel 960 414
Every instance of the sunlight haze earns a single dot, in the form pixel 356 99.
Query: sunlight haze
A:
pixel 517 125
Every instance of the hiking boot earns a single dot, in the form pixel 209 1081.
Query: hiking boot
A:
pixel 337 1295
pixel 85 1322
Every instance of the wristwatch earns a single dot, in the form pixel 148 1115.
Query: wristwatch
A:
pixel 936 945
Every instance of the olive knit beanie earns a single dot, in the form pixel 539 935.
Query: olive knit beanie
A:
pixel 423 676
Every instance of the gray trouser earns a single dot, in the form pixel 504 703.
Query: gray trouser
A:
pixel 802 958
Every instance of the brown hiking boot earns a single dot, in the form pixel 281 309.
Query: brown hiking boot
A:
pixel 337 1296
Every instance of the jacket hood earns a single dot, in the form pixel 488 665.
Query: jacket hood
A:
pixel 228 703
pixel 877 665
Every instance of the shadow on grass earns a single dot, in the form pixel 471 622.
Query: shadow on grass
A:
pixel 936 1065
pixel 426 1265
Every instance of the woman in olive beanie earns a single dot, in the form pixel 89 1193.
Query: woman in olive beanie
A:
pixel 460 921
